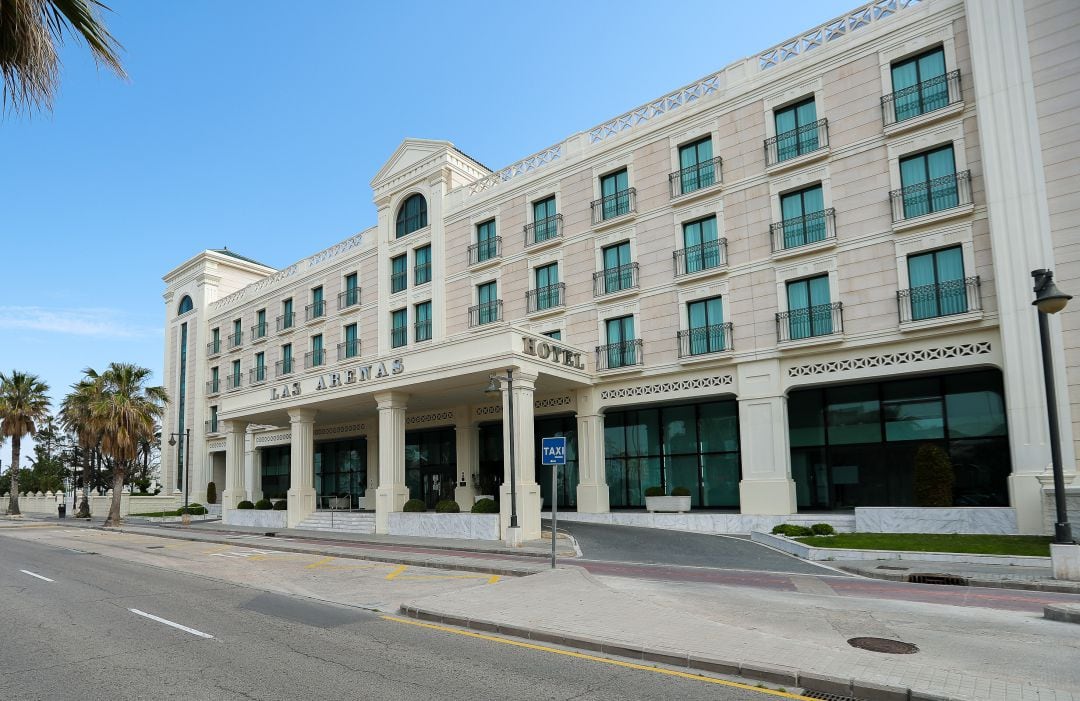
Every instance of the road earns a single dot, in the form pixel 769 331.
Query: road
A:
pixel 81 624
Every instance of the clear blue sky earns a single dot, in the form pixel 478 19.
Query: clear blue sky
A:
pixel 258 126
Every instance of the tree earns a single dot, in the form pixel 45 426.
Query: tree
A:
pixel 124 411
pixel 76 415
pixel 24 402
pixel 30 33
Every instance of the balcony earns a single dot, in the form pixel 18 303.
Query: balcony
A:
pixel 422 274
pixel 937 195
pixel 703 256
pixel 213 386
pixel 233 382
pixel 620 355
pixel 258 332
pixel 810 322
pixel 235 340
pixel 399 336
pixel 257 375
pixel 925 97
pixel 315 310
pixel 213 348
pixel 348 298
pixel 422 330
pixel 696 177
pixel 485 313
pixel 283 367
pixel 611 280
pixel 942 299
pixel 546 229
pixel 789 145
pixel 488 249
pixel 615 205
pixel 211 426
pixel 544 298
pixel 704 340
pixel 348 349
pixel 314 359
pixel 399 281
pixel 803 231
pixel 286 321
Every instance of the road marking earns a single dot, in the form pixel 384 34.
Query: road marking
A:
pixel 36 575
pixel 603 660
pixel 167 622
pixel 493 578
pixel 397 570
pixel 318 563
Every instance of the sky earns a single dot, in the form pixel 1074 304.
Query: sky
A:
pixel 259 125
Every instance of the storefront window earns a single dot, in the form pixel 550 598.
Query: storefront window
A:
pixel 275 471
pixel 431 465
pixel 340 471
pixel 549 427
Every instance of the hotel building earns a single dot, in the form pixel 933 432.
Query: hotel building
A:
pixel 772 287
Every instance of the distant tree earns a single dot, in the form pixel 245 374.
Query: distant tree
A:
pixel 24 402
pixel 76 415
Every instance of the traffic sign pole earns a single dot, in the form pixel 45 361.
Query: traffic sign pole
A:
pixel 554 511
pixel 553 453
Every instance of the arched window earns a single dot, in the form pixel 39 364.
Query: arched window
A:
pixel 185 305
pixel 412 216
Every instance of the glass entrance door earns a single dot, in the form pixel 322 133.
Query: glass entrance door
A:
pixel 340 474
pixel 431 465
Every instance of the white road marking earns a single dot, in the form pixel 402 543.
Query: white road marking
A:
pixel 36 575
pixel 167 622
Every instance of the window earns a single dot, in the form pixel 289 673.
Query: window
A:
pixel 919 85
pixel 545 220
pixel 316 351
pixel 213 419
pixel 809 310
pixel 215 380
pixel 702 246
pixel 259 371
pixel 422 265
pixel 937 284
pixel 929 182
pixel 622 347
pixel 548 293
pixel 696 167
pixel 215 341
pixel 237 336
pixel 487 244
pixel 317 308
pixel 556 334
pixel 796 130
pixel 618 270
pixel 351 295
pixel 398 273
pixel 234 376
pixel 423 321
pixel 803 217
pixel 259 330
pixel 412 216
pixel 705 333
pixel 615 194
pixel 352 342
pixel 287 315
pixel 399 328
pixel 285 366
pixel 185 305
pixel 488 304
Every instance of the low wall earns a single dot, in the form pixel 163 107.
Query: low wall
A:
pixel 708 522
pixel 989 520
pixel 466 526
pixel 1072 508
pixel 259 518
pixel 45 505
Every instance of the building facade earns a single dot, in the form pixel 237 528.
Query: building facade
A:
pixel 787 288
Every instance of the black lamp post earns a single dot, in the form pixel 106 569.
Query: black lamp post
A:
pixel 185 441
pixel 495 387
pixel 1050 300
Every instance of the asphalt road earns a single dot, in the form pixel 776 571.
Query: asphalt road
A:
pixel 89 634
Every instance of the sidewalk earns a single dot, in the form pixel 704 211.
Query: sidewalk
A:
pixel 789 639
pixel 1002 576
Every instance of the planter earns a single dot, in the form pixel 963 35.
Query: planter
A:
pixel 261 518
pixel 478 497
pixel 669 504
pixel 432 525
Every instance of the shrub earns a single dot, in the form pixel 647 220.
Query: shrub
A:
pixel 447 506
pixel 211 493
pixel 414 506
pixel 822 529
pixel 281 505
pixel 195 509
pixel 654 491
pixel 934 477
pixel 791 530
pixel 264 504
pixel 485 506
pixel 245 504
pixel 680 492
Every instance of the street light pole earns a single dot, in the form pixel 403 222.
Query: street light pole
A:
pixel 185 443
pixel 495 386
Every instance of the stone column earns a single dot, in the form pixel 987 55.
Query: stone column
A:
pixel 234 491
pixel 468 458
pixel 253 465
pixel 368 502
pixel 301 493
pixel 528 491
pixel 766 486
pixel 392 493
pixel 592 488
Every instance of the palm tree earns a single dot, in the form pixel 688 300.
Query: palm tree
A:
pixel 124 411
pixel 31 31
pixel 75 413
pixel 24 401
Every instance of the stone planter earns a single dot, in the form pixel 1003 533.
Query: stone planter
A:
pixel 432 525
pixel 478 497
pixel 667 504
pixel 261 518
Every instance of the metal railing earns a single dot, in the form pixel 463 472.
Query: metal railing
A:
pixel 609 280
pixel 620 355
pixel 803 231
pixel 235 339
pixel 213 386
pixel 928 96
pixel 399 281
pixel 422 330
pixel 937 195
pixel 797 142
pixel 702 256
pixel 422 273
pixel 348 298
pixel 286 321
pixel 399 336
pixel 547 297
pixel 348 349
pixel 614 205
pixel 233 382
pixel 258 331
pixel 283 367
pixel 696 177
pixel 544 229
pixel 314 359
pixel 485 250
pixel 485 313
pixel 213 347
pixel 256 375
pixel 314 310
pixel 211 426
pixel 939 299
pixel 702 340
pixel 810 322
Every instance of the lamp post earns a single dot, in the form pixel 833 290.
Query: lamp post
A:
pixel 1050 300
pixel 185 441
pixel 495 387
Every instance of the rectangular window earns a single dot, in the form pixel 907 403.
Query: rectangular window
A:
pixel 615 191
pixel 316 350
pixel 618 270
pixel 317 307
pixel 796 130
pixel 545 221
pixel 287 314
pixel 919 85
pixel 487 246
pixel 556 334
pixel 234 377
pixel 487 296
pixel 702 245
pixel 803 215
pixel 352 290
pixel 237 336
pixel 696 168
pixel 215 341
pixel 259 371
pixel 260 324
pixel 213 418
pixel 352 341
pixel 399 279
pixel 399 328
pixel 423 321
pixel 937 283
pixel 621 350
pixel 286 359
pixel 547 287
pixel 809 307
pixel 929 182
pixel 706 326
pixel 215 380
pixel 422 265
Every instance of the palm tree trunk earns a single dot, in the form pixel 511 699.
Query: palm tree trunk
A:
pixel 13 470
pixel 113 519
pixel 84 508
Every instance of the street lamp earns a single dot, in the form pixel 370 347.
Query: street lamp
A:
pixel 1050 300
pixel 494 388
pixel 185 439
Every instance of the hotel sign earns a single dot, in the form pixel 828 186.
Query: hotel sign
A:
pixel 349 376
pixel 553 353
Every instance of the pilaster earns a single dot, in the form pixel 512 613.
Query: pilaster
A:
pixel 392 493
pixel 528 491
pixel 592 488
pixel 468 458
pixel 766 486
pixel 234 491
pixel 301 495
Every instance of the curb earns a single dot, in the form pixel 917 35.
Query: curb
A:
pixel 773 674
pixel 1066 613
pixel 1043 586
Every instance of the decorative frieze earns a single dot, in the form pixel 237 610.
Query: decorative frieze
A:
pixel 889 359
pixel 523 167
pixel 668 387
pixel 343 428
pixel 272 438
pixel 686 95
pixel 428 418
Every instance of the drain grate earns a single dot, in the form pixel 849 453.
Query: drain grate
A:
pixel 824 696
pixel 154 547
pixel 891 567
pixel 930 578
pixel 889 647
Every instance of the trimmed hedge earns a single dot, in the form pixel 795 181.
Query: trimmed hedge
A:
pixel 655 492
pixel 245 504
pixel 264 505
pixel 193 508
pixel 211 493
pixel 791 530
pixel 822 529
pixel 414 506
pixel 447 506
pixel 486 506
pixel 680 492
pixel 281 505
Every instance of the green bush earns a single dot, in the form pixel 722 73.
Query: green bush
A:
pixel 211 493
pixel 194 508
pixel 281 505
pixel 447 506
pixel 934 477
pixel 680 492
pixel 791 530
pixel 264 504
pixel 485 506
pixel 654 492
pixel 822 529
pixel 245 504
pixel 414 506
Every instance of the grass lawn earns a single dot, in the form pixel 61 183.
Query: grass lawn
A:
pixel 934 542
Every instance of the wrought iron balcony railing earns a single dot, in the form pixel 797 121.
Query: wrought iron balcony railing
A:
pixel 315 310
pixel 258 331
pixel 422 273
pixel 257 375
pixel 937 195
pixel 702 340
pixel 809 322
pixel 314 359
pixel 703 256
pixel 398 281
pixel 544 229
pixel 547 297
pixel 286 321
pixel 348 349
pixel 399 336
pixel 803 231
pixel 609 280
pixel 797 142
pixel 233 382
pixel 485 250
pixel 348 298
pixel 620 355
pixel 213 347
pixel 422 330
pixel 211 426
pixel 213 386
pixel 941 299
pixel 614 205
pixel 485 313
pixel 928 96
pixel 283 367
pixel 235 340
pixel 696 177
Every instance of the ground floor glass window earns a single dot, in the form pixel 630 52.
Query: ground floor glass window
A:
pixel 551 427
pixel 431 465
pixel 275 471
pixel 340 473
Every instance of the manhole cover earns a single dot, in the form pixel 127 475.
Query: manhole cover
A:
pixel 891 647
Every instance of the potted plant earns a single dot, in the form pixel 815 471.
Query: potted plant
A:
pixel 657 500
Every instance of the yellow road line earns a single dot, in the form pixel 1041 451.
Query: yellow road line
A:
pixel 603 660
pixel 318 563
pixel 493 578
pixel 429 577
pixel 397 570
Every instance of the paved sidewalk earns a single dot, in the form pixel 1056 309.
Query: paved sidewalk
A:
pixel 1002 576
pixel 788 639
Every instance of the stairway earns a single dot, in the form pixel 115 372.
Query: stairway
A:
pixel 339 521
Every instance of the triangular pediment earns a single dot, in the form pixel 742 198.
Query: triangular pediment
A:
pixel 407 155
